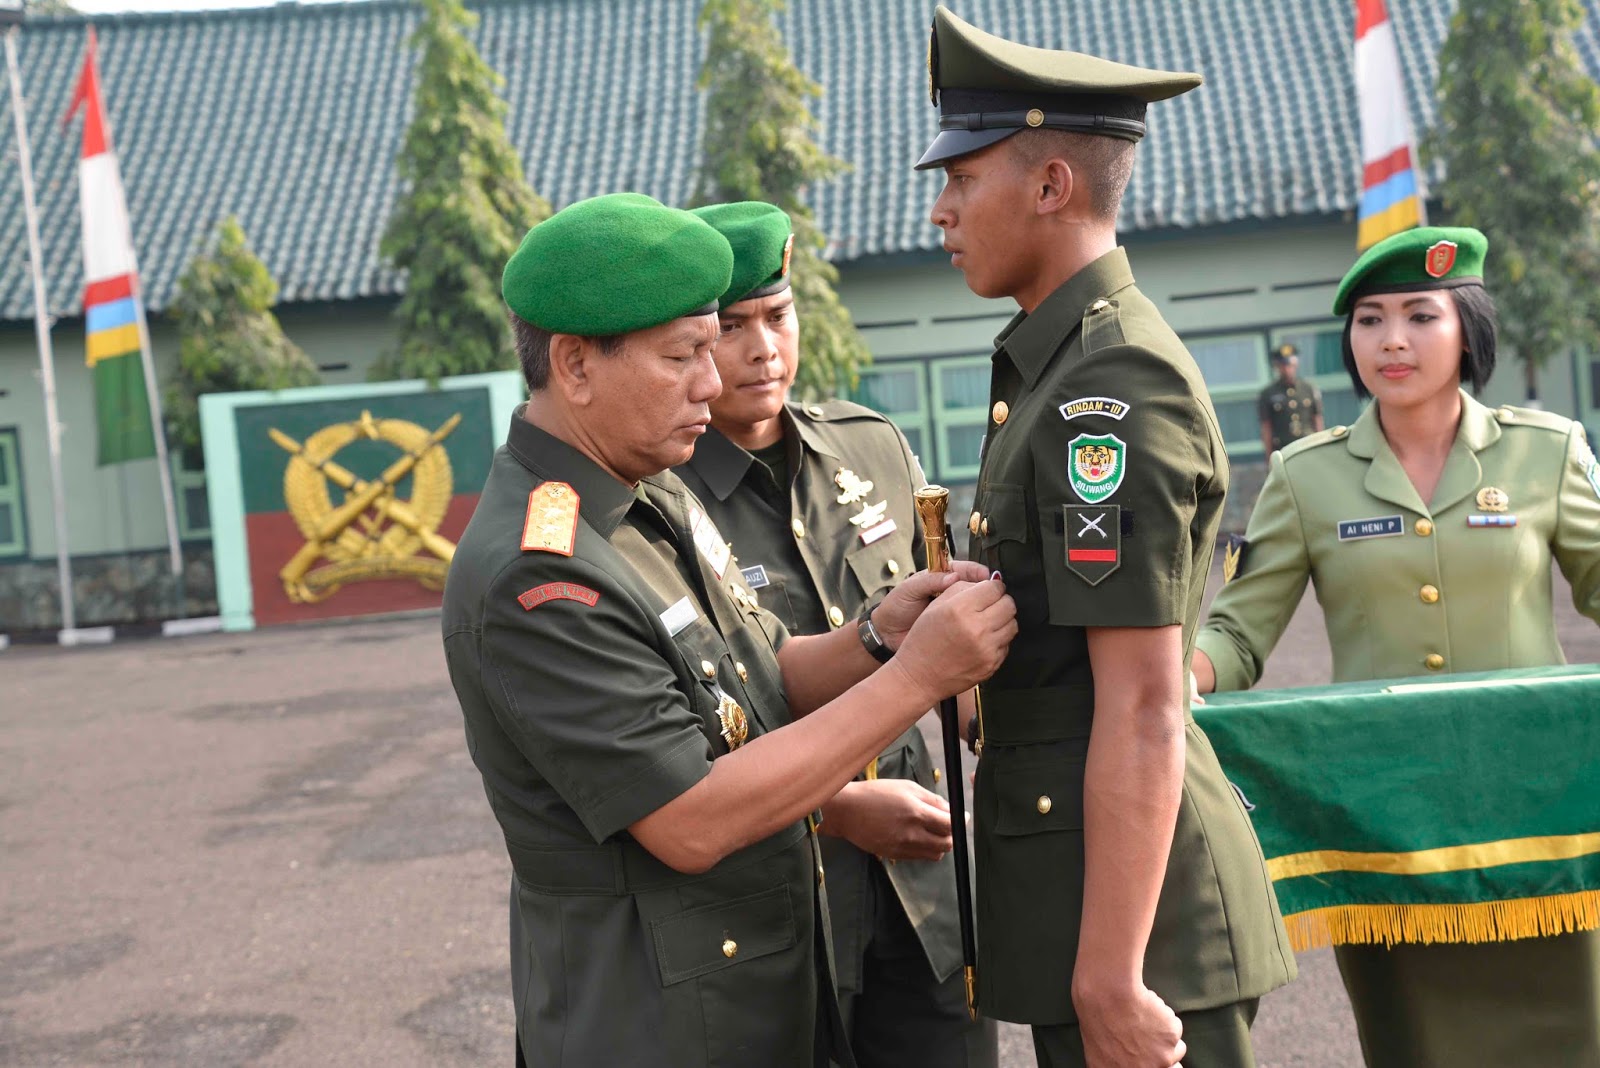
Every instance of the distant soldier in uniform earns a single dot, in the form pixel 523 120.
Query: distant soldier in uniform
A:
pixel 1430 528
pixel 817 501
pixel 627 701
pixel 1289 408
pixel 1123 906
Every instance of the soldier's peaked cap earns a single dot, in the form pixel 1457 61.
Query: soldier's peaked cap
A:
pixel 988 88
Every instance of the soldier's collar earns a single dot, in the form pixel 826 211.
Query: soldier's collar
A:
pixel 602 500
pixel 795 417
pixel 1031 340
pixel 720 463
pixel 1478 430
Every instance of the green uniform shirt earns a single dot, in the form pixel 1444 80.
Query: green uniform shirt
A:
pixel 1100 492
pixel 842 533
pixel 1408 587
pixel 1290 409
pixel 591 685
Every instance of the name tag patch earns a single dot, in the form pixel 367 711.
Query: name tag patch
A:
pixel 679 616
pixel 709 542
pixel 755 577
pixel 558 591
pixel 876 533
pixel 1383 526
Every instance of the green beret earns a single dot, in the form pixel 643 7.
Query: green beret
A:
pixel 988 88
pixel 762 238
pixel 615 264
pixel 1426 257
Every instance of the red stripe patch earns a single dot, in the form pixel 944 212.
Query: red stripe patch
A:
pixel 1381 170
pixel 558 591
pixel 1093 556
pixel 107 290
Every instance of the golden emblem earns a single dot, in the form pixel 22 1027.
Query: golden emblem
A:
pixel 1493 499
pixel 735 727
pixel 853 486
pixel 551 522
pixel 372 533
pixel 1230 561
pixel 870 515
pixel 1035 117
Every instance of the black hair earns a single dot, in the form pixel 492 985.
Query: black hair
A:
pixel 1478 333
pixel 533 350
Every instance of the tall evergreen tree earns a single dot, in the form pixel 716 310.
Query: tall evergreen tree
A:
pixel 228 338
pixel 465 207
pixel 758 146
pixel 1517 123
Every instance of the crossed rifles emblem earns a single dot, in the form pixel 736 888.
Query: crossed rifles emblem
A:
pixel 372 533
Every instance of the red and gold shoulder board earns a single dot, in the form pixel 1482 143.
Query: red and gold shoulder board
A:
pixel 551 525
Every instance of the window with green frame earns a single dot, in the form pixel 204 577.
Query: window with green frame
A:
pixel 1235 368
pixel 13 520
pixel 960 414
pixel 193 506
pixel 1322 361
pixel 898 389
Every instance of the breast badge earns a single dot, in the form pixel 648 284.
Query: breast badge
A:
pixel 1096 465
pixel 735 727
pixel 852 487
pixel 1493 499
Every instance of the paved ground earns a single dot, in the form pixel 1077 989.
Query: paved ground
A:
pixel 271 850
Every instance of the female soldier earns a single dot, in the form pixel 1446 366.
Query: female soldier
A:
pixel 1429 528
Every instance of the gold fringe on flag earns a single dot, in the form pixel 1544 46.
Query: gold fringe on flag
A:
pixel 1480 921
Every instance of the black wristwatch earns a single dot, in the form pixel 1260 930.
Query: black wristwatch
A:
pixel 870 639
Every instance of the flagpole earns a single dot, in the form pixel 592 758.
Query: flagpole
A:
pixel 41 329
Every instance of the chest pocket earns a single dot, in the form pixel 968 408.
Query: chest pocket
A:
pixel 1006 542
pixel 870 565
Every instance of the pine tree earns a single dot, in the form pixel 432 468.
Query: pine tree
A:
pixel 465 208
pixel 228 338
pixel 758 146
pixel 1516 134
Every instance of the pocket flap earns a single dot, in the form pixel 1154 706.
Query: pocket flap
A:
pixel 1035 798
pixel 708 938
pixel 870 565
pixel 1005 510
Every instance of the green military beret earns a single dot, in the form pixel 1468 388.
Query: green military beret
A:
pixel 615 264
pixel 988 88
pixel 762 238
pixel 1427 257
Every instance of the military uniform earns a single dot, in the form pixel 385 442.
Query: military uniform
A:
pixel 1290 410
pixel 816 551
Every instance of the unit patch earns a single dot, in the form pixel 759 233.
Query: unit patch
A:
pixel 1383 526
pixel 1093 539
pixel 1109 407
pixel 1233 553
pixel 755 577
pixel 709 542
pixel 1095 465
pixel 558 591
pixel 551 525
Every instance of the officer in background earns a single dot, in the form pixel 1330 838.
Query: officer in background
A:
pixel 1123 905
pixel 1289 408
pixel 626 700
pixel 817 501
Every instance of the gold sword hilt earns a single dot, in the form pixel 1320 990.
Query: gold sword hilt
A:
pixel 932 502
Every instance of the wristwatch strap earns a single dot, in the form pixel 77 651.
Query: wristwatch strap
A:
pixel 870 639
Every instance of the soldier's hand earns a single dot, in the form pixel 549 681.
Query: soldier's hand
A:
pixel 898 612
pixel 1135 1029
pixel 893 819
pixel 960 640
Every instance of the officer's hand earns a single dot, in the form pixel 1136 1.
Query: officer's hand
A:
pixel 895 615
pixel 1135 1029
pixel 893 819
pixel 960 640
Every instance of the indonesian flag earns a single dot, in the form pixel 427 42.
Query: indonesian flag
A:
pixel 122 407
pixel 1391 188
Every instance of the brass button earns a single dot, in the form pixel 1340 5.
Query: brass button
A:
pixel 709 668
pixel 744 676
pixel 1035 117
pixel 937 775
pixel 836 616
pixel 814 410
pixel 798 527
pixel 1434 661
pixel 1000 412
pixel 729 947
pixel 894 568
pixel 1429 593
pixel 1339 431
pixel 972 524
pixel 1043 804
pixel 984 526
pixel 1424 527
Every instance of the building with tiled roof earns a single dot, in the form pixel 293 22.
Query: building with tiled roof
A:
pixel 290 117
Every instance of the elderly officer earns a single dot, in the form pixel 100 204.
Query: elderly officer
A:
pixel 1123 905
pixel 626 699
pixel 817 500
pixel 1430 528
pixel 1289 408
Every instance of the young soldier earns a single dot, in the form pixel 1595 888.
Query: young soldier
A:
pixel 817 500
pixel 626 699
pixel 1289 409
pixel 1123 906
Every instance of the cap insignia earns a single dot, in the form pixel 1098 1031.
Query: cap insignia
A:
pixel 1440 257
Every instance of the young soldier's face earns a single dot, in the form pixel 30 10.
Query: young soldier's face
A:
pixel 649 403
pixel 1407 346
pixel 757 357
pixel 986 214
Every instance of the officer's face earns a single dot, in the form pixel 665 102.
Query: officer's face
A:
pixel 757 356
pixel 1288 369
pixel 986 214
pixel 1407 346
pixel 648 404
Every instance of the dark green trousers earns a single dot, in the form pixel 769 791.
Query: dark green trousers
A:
pixel 1217 1038
pixel 1535 1001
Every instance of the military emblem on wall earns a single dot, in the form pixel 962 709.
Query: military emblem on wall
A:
pixel 1096 464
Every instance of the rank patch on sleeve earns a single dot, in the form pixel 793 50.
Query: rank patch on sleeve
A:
pixel 1233 554
pixel 551 525
pixel 1094 540
pixel 558 591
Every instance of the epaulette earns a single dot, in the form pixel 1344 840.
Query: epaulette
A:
pixel 1311 441
pixel 1102 326
pixel 1508 415
pixel 835 411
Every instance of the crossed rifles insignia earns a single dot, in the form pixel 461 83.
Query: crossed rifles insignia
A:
pixel 372 533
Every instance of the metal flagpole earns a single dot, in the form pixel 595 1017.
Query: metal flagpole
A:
pixel 41 329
